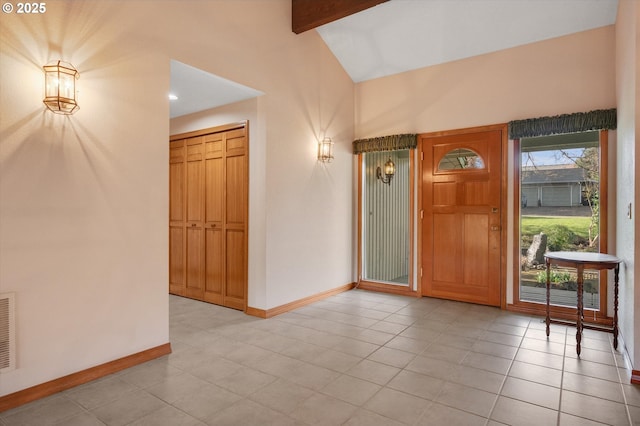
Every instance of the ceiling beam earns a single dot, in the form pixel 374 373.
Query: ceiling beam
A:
pixel 309 14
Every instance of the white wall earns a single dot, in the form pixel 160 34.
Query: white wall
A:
pixel 82 218
pixel 628 190
pixel 84 199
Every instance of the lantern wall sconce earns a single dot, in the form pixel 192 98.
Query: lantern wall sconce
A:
pixel 389 171
pixel 60 87
pixel 325 150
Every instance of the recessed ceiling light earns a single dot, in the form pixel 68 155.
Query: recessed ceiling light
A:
pixel 172 97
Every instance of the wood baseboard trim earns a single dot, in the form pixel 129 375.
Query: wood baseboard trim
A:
pixel 42 390
pixel 635 377
pixel 387 288
pixel 269 313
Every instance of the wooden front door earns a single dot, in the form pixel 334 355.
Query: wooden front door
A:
pixel 461 210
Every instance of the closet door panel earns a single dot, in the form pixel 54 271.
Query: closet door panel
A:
pixel 195 184
pixel 214 171
pixel 195 262
pixel 176 260
pixel 236 200
pixel 214 278
pixel 235 289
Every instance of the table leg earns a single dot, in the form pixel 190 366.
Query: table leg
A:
pixel 548 319
pixel 615 306
pixel 580 308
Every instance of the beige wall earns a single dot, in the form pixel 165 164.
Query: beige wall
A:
pixel 628 190
pixel 83 199
pixel 568 74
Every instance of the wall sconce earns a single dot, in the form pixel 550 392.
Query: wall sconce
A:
pixel 60 87
pixel 325 150
pixel 389 171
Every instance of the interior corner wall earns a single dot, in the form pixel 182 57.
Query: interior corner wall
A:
pixel 83 241
pixel 232 113
pixel 628 193
pixel 84 199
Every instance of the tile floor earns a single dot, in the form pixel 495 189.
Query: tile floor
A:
pixel 357 358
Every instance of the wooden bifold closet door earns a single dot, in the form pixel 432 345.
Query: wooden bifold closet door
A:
pixel 208 199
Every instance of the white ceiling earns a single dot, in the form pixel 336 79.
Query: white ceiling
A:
pixel 402 35
pixel 198 90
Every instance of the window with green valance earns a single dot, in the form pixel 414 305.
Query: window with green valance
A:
pixel 603 119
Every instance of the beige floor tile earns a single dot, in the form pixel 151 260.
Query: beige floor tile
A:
pixel 632 394
pixel 487 362
pixel 393 357
pixel 433 367
pixel 444 352
pixel 536 373
pixel 357 348
pixel 323 409
pixel 389 327
pixel 420 333
pixel 205 402
pixel 167 416
pixel 501 338
pixel 364 417
pixel 373 371
pixel 126 410
pixel 455 341
pixel 531 392
pixel 245 381
pixel 508 329
pixel 282 395
pixel 312 376
pixel 634 413
pixel 593 355
pixel 100 392
pixel 593 408
pixel 438 414
pixel 151 373
pixel 592 369
pixel 540 358
pixel 543 346
pixel 444 363
pixel 47 411
pixel 479 379
pixel 407 344
pixel 468 399
pixel 513 412
pixel 374 336
pixel 351 389
pixel 592 386
pixel 494 349
pixel 335 360
pixel 397 405
pixel 540 334
pixel 246 412
pixel 417 384
pixel 569 420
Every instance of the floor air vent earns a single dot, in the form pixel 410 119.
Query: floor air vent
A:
pixel 7 333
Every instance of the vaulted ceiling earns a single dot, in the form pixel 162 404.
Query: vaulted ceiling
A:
pixel 377 38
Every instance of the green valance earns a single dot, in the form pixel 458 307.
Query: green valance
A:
pixel 385 143
pixel 602 119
